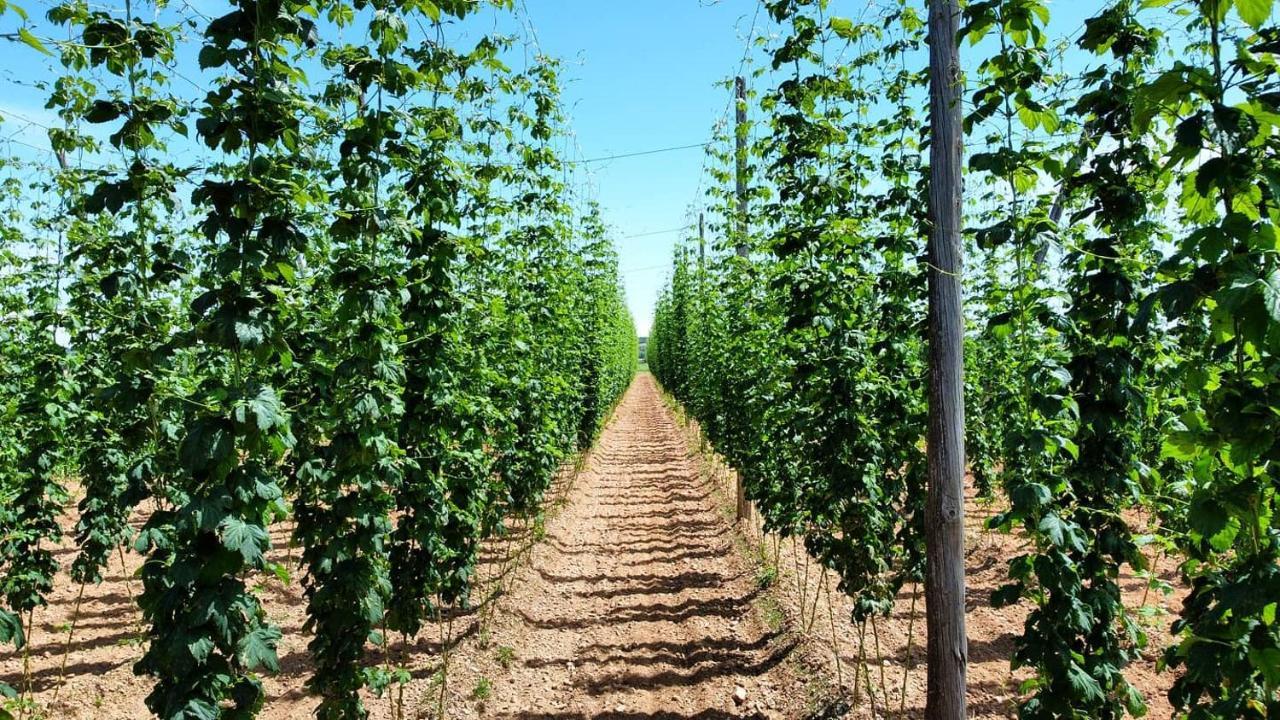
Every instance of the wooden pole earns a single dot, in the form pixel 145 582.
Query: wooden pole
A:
pixel 740 133
pixel 702 239
pixel 948 650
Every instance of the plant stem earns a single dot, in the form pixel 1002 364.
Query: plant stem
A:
pixel 835 643
pixel 911 636
pixel 66 647
pixel 875 635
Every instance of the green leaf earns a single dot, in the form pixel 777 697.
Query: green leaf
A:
pixel 1085 687
pixel 1030 496
pixel 1061 374
pixel 250 334
pixel 1254 12
pixel 1270 286
pixel 1029 117
pixel 281 571
pixel 200 649
pixel 26 37
pixel 1133 700
pixel 1059 532
pixel 267 409
pixel 103 111
pixel 11 629
pixel 209 443
pixel 247 539
pixel 1267 662
pixel 1052 528
pixel 211 56
pixel 1181 446
pixel 1212 521
pixel 1207 516
pixel 257 650
pixel 200 709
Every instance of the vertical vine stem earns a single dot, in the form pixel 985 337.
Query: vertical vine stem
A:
pixel 911 636
pixel 66 645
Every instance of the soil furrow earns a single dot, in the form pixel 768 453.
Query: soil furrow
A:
pixel 637 605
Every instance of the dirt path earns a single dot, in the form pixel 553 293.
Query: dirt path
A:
pixel 640 602
pixel 637 605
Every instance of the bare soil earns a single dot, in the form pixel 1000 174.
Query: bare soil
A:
pixel 634 599
pixel 881 667
pixel 637 604
pixel 630 602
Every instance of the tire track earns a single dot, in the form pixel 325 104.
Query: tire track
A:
pixel 637 604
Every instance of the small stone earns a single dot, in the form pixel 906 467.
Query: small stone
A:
pixel 739 695
pixel 622 707
pixel 569 666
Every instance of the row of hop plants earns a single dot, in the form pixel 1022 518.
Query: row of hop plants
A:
pixel 1121 215
pixel 349 284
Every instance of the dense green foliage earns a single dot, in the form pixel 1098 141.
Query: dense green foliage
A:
pixel 383 314
pixel 1121 217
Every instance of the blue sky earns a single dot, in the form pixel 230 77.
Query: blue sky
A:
pixel 642 76
pixel 647 75
pixel 638 75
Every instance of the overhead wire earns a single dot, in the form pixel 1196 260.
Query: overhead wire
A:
pixel 724 115
pixel 658 232
pixel 638 153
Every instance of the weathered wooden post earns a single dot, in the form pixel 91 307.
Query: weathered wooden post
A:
pixel 948 652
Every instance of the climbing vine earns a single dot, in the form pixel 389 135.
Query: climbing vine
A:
pixel 1120 199
pixel 1221 105
pixel 349 284
pixel 125 269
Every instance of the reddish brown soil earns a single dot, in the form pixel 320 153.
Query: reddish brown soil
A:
pixel 635 600
pixel 892 652
pixel 634 605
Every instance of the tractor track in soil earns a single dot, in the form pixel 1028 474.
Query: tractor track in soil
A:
pixel 637 604
pixel 634 605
